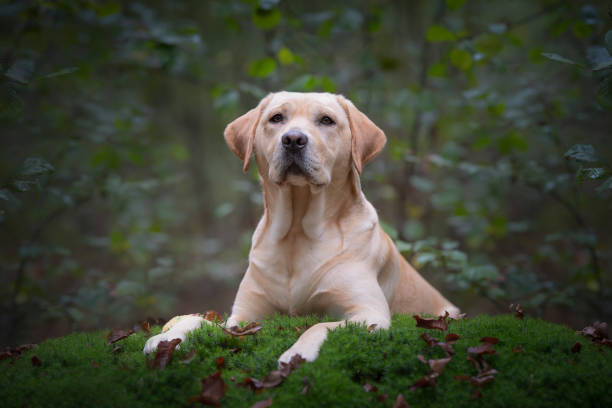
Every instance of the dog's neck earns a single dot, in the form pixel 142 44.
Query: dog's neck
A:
pixel 308 210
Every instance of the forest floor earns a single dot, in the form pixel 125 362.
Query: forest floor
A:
pixel 481 361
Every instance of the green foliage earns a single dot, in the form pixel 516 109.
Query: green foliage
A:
pixel 81 368
pixel 438 33
pixel 119 198
pixel 262 67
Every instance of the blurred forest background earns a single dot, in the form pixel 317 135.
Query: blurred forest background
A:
pixel 119 199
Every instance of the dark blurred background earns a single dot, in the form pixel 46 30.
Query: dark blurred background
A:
pixel 119 199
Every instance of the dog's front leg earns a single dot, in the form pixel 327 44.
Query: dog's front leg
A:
pixel 366 304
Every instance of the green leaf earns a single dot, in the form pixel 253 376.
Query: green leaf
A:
pixel 392 232
pixel 512 141
pixel 224 210
pixel 266 19
pixel 582 152
pixel 64 71
pixel 106 156
pixel 489 44
pixel 438 33
pixel 535 55
pixel 285 56
pixel 604 93
pixel 461 59
pixel 608 40
pixel 582 29
pixel 455 4
pixel 437 70
pixel 559 58
pixel 481 142
pixel 5 194
pixel 606 185
pixel 593 173
pixel 325 28
pixel 107 8
pixel 23 185
pixel 35 166
pixel 497 110
pixel 603 65
pixel 424 258
pixel 268 4
pixel 403 246
pixel 262 68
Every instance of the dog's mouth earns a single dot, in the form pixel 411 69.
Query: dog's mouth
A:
pixel 295 169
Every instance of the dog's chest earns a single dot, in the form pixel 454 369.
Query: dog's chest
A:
pixel 293 269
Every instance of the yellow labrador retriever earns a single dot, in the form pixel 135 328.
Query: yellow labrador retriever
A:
pixel 319 247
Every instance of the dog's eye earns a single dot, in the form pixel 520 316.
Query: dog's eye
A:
pixel 276 118
pixel 326 120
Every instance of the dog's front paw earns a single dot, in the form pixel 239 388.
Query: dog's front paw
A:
pixel 151 344
pixel 177 328
pixel 307 354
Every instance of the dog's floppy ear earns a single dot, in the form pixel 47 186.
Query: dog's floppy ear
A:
pixel 367 140
pixel 240 134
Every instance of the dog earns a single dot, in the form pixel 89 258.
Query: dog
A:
pixel 319 247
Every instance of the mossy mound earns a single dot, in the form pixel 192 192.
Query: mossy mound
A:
pixel 82 370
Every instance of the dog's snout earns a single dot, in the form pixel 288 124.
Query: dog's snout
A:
pixel 294 140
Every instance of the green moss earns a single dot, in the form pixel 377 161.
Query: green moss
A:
pixel 81 370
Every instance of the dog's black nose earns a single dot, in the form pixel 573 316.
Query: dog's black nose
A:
pixel 294 140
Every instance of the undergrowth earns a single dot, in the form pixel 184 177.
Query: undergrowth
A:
pixel 82 370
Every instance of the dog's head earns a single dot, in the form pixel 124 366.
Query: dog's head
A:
pixel 304 138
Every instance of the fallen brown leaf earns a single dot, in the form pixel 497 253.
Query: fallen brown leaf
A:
pixel 188 358
pixel 118 334
pixel 482 348
pixel 367 387
pixel 576 347
pixel 490 340
pixel 156 321
pixel 518 312
pixel 400 402
pixel 145 326
pixel 458 317
pixel 425 381
pixel 213 389
pixel 213 316
pixel 274 377
pixel 220 362
pixel 517 349
pixel 438 324
pixel 94 364
pixel 247 330
pixel 263 403
pixel 24 347
pixel 448 349
pixel 451 338
pixel 36 361
pixel 431 341
pixel 306 383
pixel 164 353
pixel 437 366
